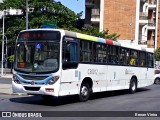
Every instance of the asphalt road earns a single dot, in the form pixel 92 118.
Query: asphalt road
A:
pixel 146 99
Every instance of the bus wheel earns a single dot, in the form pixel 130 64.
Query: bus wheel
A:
pixel 157 81
pixel 84 92
pixel 133 85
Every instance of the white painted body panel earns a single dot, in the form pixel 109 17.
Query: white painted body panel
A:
pixel 104 77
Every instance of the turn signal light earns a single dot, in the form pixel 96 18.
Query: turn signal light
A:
pixel 49 90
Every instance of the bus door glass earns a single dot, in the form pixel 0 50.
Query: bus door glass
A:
pixel 70 54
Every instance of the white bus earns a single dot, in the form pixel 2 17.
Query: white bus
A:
pixel 54 62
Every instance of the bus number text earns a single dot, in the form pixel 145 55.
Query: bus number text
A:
pixel 93 71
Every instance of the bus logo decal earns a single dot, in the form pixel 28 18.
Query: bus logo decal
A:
pixel 32 83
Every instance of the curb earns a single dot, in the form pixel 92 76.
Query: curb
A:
pixel 19 94
pixel 6 89
pixel 7 76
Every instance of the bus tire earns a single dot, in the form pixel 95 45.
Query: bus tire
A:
pixel 85 92
pixel 157 81
pixel 133 86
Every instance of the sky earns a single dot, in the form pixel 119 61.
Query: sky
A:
pixel 75 5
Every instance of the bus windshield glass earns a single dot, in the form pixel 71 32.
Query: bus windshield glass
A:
pixel 37 56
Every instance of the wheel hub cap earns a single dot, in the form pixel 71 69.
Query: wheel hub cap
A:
pixel 133 86
pixel 84 91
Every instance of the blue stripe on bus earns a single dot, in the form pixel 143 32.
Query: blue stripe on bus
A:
pixel 79 75
pixel 101 40
pixel 38 82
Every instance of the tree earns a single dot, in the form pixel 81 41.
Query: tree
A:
pixel 43 10
pixel 104 34
pixel 94 31
pixel 157 54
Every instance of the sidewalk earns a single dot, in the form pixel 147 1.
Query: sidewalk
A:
pixel 8 75
pixel 6 88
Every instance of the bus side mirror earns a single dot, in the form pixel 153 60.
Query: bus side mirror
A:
pixel 69 65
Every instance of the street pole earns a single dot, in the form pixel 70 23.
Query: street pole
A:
pixel 6 52
pixel 26 14
pixel 2 47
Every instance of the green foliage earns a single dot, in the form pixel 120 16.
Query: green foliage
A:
pixel 11 58
pixel 157 54
pixel 43 10
pixel 94 31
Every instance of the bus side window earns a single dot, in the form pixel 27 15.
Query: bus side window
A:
pixel 150 60
pixel 122 56
pixel 133 57
pixel 85 51
pixel 109 54
pixel 142 59
pixel 64 52
pixel 100 53
pixel 67 54
pixel 70 51
pixel 115 55
pixel 127 57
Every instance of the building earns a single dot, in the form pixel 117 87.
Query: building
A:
pixel 135 20
pixel 158 35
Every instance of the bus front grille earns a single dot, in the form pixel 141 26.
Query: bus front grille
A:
pixel 32 88
pixel 33 77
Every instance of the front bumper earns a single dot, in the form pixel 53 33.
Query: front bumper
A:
pixel 35 89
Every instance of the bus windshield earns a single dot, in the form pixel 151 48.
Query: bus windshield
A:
pixel 37 57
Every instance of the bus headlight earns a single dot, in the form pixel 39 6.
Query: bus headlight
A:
pixel 16 80
pixel 53 80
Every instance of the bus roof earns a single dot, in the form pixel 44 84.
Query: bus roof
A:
pixel 92 38
pixel 80 35
pixel 102 40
